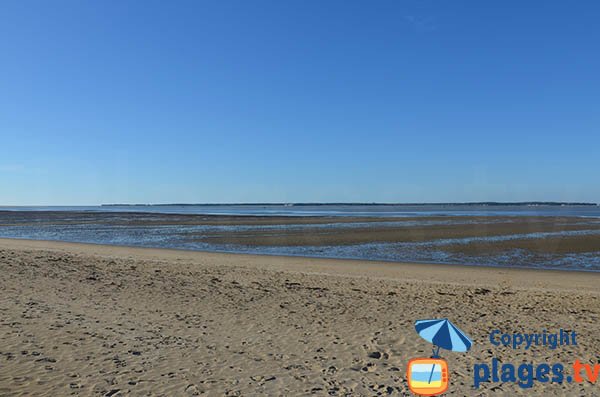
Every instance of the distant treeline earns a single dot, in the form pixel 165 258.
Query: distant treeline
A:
pixel 483 203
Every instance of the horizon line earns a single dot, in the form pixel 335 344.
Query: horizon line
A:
pixel 307 203
pixel 316 203
pixel 350 203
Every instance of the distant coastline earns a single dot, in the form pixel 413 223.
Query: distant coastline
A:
pixel 466 204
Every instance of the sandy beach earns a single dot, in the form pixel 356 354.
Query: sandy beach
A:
pixel 94 320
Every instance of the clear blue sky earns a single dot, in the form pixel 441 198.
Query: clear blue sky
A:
pixel 280 101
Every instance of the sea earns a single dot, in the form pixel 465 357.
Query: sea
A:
pixel 38 224
pixel 375 210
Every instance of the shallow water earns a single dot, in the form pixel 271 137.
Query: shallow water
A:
pixel 130 230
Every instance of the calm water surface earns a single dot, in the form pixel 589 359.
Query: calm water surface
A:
pixel 112 230
pixel 336 210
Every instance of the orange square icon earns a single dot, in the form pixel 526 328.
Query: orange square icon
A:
pixel 427 376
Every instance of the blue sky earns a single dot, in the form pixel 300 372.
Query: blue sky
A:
pixel 288 101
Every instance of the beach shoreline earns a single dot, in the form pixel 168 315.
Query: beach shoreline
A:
pixel 349 267
pixel 87 319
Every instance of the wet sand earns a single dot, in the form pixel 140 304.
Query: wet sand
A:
pixel 459 227
pixel 82 319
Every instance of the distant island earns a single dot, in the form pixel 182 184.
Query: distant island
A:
pixel 468 204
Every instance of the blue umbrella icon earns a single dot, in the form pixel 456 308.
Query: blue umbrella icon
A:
pixel 442 334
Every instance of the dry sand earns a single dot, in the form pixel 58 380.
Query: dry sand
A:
pixel 80 319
